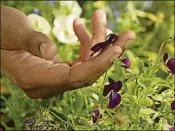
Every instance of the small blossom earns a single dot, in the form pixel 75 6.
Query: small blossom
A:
pixel 36 11
pixel 114 100
pixel 115 86
pixel 126 62
pixel 173 105
pixel 107 89
pixel 96 115
pixel 170 63
pixel 63 29
pixel 40 23
pixel 101 45
pixel 72 6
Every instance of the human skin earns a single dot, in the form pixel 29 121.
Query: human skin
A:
pixel 29 58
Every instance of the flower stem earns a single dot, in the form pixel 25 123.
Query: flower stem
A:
pixel 168 77
pixel 58 117
pixel 155 66
pixel 101 96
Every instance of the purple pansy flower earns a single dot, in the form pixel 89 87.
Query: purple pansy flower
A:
pixel 114 100
pixel 170 63
pixel 98 47
pixel 36 11
pixel 96 115
pixel 115 86
pixel 101 45
pixel 173 105
pixel 126 62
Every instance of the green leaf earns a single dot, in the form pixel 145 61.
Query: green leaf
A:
pixel 146 111
pixel 79 102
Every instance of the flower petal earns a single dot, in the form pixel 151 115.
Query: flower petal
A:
pixel 97 47
pixel 171 65
pixel 95 115
pixel 114 100
pixel 126 62
pixel 106 90
pixel 96 112
pixel 110 80
pixel 173 105
pixel 94 119
pixel 117 86
pixel 165 57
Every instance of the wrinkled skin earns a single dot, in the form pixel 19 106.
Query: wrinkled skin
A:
pixel 29 58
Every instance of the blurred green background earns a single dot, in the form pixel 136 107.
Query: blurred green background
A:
pixel 152 21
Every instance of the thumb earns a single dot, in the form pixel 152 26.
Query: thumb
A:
pixel 42 46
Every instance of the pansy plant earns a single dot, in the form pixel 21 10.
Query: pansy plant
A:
pixel 96 115
pixel 113 87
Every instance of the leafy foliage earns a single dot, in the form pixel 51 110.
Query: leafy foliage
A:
pixel 148 89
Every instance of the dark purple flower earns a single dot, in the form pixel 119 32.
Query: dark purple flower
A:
pixel 170 63
pixel 36 11
pixel 114 100
pixel 96 115
pixel 101 45
pixel 107 89
pixel 173 105
pixel 126 62
pixel 52 2
pixel 98 47
pixel 115 86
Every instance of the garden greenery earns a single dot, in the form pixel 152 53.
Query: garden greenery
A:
pixel 147 91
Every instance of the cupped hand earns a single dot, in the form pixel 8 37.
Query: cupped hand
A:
pixel 36 68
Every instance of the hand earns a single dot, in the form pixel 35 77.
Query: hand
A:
pixel 29 57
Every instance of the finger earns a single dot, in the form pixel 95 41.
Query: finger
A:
pixel 41 45
pixel 124 39
pixel 18 34
pixel 99 26
pixel 84 37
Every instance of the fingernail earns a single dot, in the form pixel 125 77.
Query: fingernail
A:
pixel 42 48
pixel 79 21
pixel 114 57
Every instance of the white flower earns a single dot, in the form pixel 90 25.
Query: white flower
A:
pixel 63 29
pixel 40 23
pixel 73 6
